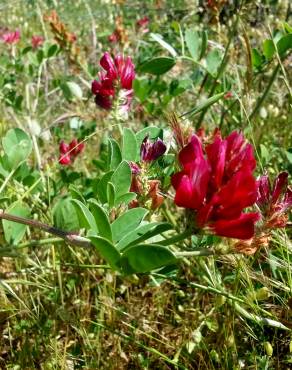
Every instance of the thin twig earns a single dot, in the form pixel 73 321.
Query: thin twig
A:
pixel 68 237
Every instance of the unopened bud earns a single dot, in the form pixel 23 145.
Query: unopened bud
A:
pixel 268 349
pixel 263 113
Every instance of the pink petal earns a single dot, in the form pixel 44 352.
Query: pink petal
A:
pixel 264 190
pixel 108 64
pixel 242 227
pixel 127 74
pixel 280 185
pixel 238 193
pixel 216 153
pixel 184 194
pixel 65 159
pixel 191 151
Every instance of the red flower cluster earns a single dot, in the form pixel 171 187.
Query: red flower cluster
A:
pixel 142 24
pixel 217 182
pixel 116 81
pixel 68 152
pixel 37 41
pixel 11 37
pixel 274 203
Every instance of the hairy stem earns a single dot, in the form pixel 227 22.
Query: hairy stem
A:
pixel 66 236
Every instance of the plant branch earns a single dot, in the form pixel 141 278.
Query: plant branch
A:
pixel 68 237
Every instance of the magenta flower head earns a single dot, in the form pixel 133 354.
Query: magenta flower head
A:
pixel 274 202
pixel 217 182
pixel 142 24
pixel 68 152
pixel 151 151
pixel 11 37
pixel 37 41
pixel 115 82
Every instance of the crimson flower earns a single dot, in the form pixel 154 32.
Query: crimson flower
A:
pixel 217 182
pixel 275 201
pixel 114 82
pixel 11 37
pixel 37 41
pixel 143 24
pixel 68 152
pixel 151 151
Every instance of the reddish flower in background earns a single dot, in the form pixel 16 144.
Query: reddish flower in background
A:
pixel 274 202
pixel 217 182
pixel 68 152
pixel 142 24
pixel 151 151
pixel 11 37
pixel 114 37
pixel 115 82
pixel 37 41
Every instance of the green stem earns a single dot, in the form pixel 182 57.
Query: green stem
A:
pixel 34 243
pixel 258 319
pixel 177 238
pixel 221 67
pixel 200 252
pixel 202 287
pixel 265 93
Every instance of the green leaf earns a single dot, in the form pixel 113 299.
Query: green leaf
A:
pixel 289 156
pixel 85 217
pixel 130 147
pixel 164 44
pixel 122 178
pixel 114 154
pixel 75 193
pixel 5 168
pixel 204 44
pixel 268 49
pixel 53 49
pixel 106 250
pixel 206 104
pixel 102 187
pixel 287 27
pixel 142 233
pixel 213 60
pixel 17 145
pixel 145 258
pixel 157 66
pixel 142 87
pixel 193 43
pixel 101 219
pixel 257 58
pixel 111 194
pixel 152 131
pixel 40 55
pixel 13 231
pixel 128 221
pixel 75 89
pixel 65 215
pixel 125 199
pixel 284 44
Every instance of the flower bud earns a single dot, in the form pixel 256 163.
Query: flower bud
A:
pixel 151 151
pixel 268 348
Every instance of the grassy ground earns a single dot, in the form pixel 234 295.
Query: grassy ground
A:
pixel 60 306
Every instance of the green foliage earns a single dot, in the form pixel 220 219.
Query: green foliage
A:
pixel 106 250
pixel 65 215
pixel 146 257
pixel 13 231
pixel 17 146
pixel 130 146
pixel 157 66
pixel 127 222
